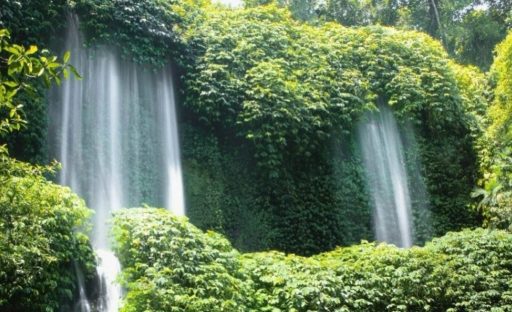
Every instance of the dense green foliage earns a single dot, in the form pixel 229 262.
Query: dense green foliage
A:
pixel 271 161
pixel 21 69
pixel 468 29
pixel 205 263
pixel 169 265
pixel 270 105
pixel 146 31
pixel 221 190
pixel 41 240
pixel 287 92
pixel 496 196
pixel 31 22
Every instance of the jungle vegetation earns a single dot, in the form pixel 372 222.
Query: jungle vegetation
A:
pixel 269 98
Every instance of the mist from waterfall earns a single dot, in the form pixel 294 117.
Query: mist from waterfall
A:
pixel 115 133
pixel 385 169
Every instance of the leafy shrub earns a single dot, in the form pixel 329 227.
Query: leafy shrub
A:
pixel 41 240
pixel 496 196
pixel 171 266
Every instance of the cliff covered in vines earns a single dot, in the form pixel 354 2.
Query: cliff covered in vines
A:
pixel 288 95
pixel 268 106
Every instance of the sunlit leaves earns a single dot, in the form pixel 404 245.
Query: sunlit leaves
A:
pixel 465 271
pixel 41 235
pixel 287 87
pixel 21 69
pixel 496 154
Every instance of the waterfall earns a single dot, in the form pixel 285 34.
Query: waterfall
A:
pixel 385 169
pixel 115 133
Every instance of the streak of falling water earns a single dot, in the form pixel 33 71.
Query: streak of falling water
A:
pixel 110 293
pixel 83 304
pixel 174 197
pixel 115 133
pixel 385 169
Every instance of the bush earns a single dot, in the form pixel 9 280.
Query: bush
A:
pixel 496 199
pixel 169 265
pixel 41 240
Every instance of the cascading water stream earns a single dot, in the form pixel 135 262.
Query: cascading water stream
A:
pixel 83 304
pixel 384 164
pixel 115 133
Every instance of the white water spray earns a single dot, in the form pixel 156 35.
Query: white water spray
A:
pixel 110 292
pixel 115 133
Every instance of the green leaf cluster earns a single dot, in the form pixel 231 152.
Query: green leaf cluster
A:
pixel 21 69
pixel 33 21
pixel 284 92
pixel 173 266
pixel 41 23
pixel 169 265
pixel 42 240
pixel 146 31
pixel 495 194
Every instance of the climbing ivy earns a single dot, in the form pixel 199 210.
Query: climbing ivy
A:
pixel 289 90
pixel 33 21
pixel 146 31
pixel 269 110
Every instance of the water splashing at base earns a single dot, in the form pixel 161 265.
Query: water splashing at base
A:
pixel 110 292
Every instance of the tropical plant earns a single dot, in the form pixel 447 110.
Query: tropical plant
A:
pixel 171 266
pixel 20 69
pixel 497 154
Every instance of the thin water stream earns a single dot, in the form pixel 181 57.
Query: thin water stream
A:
pixel 386 173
